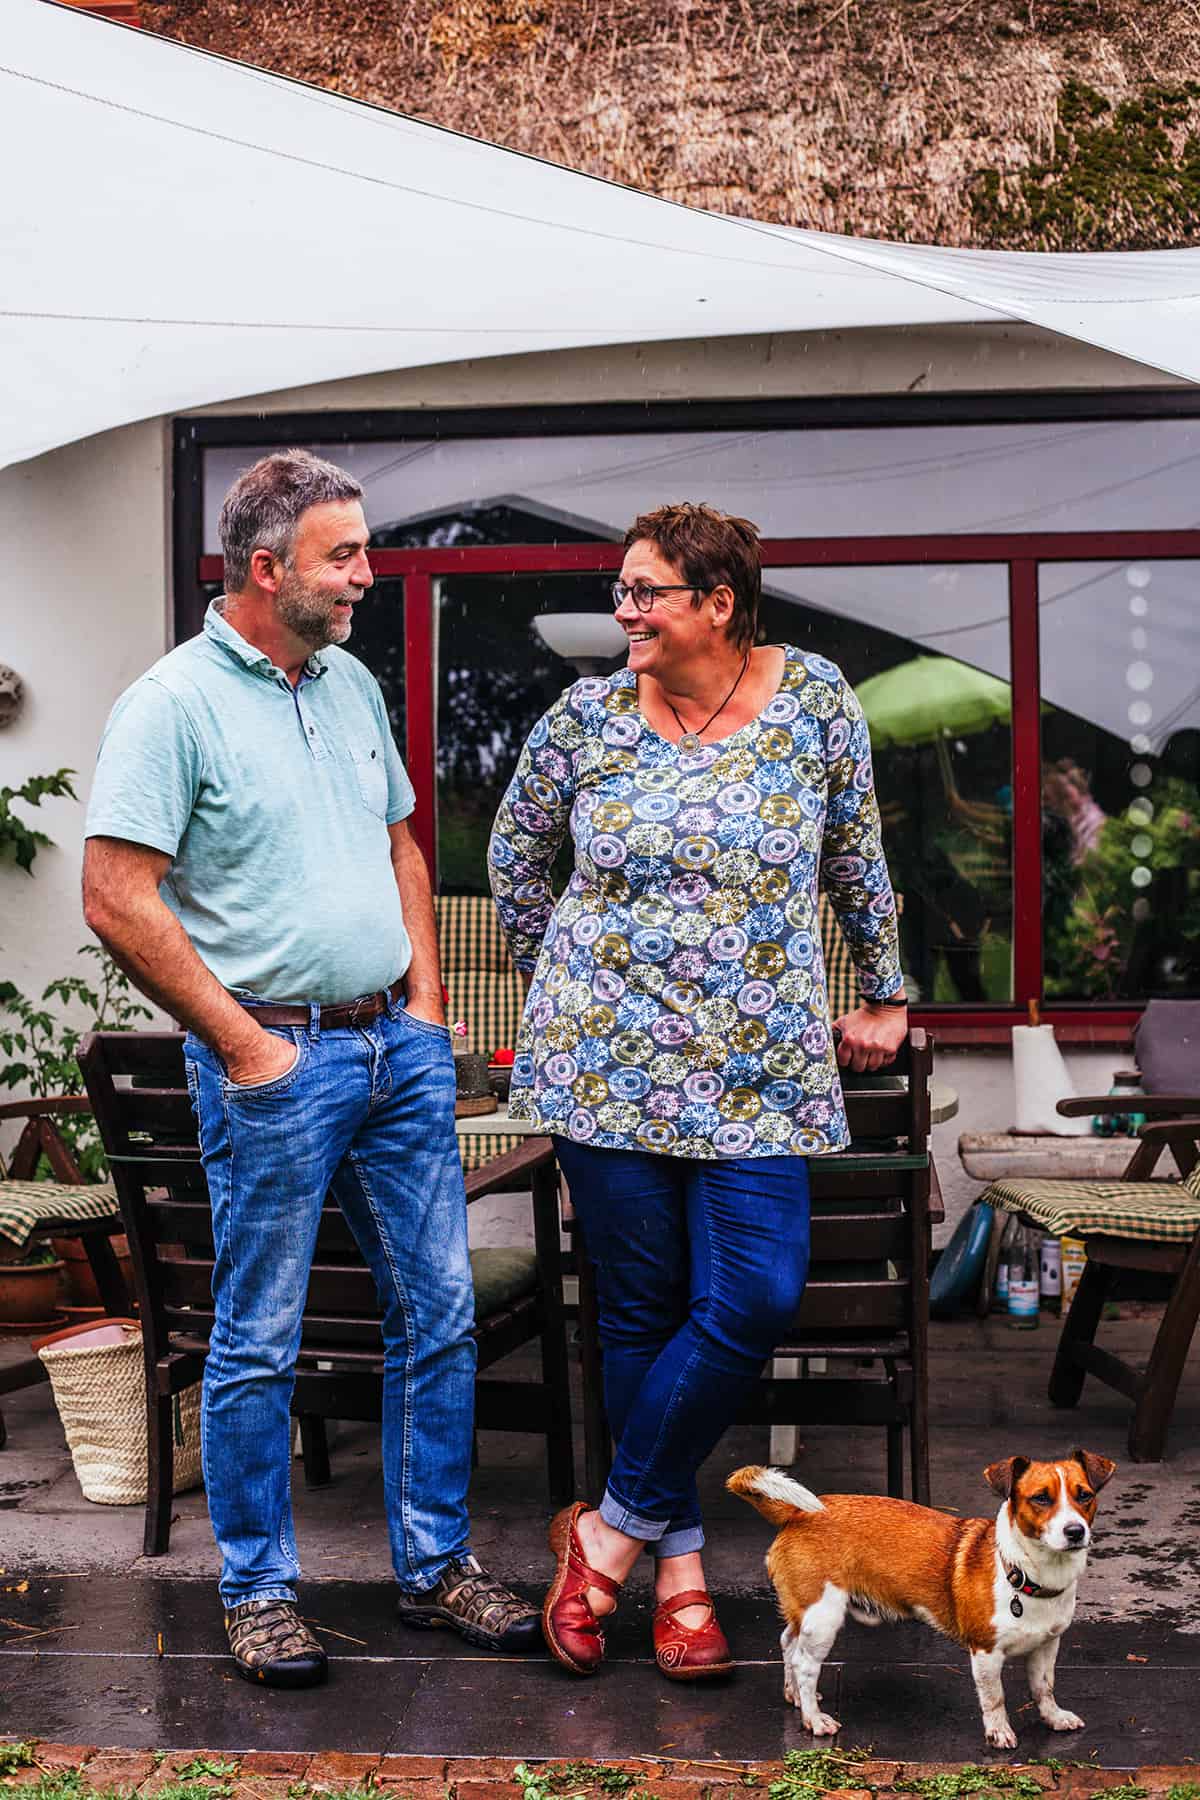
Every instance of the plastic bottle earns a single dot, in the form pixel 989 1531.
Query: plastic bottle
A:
pixel 1023 1276
pixel 1050 1273
pixel 1000 1285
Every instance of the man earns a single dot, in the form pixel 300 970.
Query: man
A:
pixel 249 864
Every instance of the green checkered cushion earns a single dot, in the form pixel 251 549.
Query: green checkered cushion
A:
pixel 1162 1212
pixel 477 1147
pixel 500 1278
pixel 24 1205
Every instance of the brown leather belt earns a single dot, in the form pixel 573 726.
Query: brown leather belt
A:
pixel 329 1018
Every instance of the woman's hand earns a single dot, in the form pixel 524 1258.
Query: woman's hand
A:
pixel 871 1036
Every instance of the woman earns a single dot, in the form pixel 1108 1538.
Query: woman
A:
pixel 676 1039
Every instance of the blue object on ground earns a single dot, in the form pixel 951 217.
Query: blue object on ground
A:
pixel 960 1265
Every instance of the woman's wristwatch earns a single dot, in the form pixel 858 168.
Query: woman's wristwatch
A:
pixel 893 1000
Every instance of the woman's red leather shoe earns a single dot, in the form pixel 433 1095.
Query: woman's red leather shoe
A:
pixel 572 1631
pixel 687 1652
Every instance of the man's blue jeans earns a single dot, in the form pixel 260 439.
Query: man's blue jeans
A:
pixel 699 1268
pixel 369 1114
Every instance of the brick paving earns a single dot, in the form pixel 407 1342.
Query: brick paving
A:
pixel 269 1775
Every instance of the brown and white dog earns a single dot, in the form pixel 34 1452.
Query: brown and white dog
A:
pixel 1003 1588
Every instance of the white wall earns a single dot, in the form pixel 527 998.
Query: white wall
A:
pixel 83 547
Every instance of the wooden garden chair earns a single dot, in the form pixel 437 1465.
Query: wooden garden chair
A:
pixel 149 1135
pixel 1135 1223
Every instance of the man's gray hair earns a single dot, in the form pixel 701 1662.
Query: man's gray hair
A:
pixel 262 509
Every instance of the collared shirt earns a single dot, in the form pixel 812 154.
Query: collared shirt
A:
pixel 678 1001
pixel 273 804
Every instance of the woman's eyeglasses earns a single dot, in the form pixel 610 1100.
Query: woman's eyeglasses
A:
pixel 644 595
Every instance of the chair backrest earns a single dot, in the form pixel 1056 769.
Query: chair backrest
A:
pixel 487 992
pixel 868 1268
pixel 137 1085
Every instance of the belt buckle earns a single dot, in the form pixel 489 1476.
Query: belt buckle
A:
pixel 363 1000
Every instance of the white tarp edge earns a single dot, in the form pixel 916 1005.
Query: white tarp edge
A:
pixel 178 230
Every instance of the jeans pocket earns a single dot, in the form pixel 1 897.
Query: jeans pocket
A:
pixel 426 1025
pixel 278 1084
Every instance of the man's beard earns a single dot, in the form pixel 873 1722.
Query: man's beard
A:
pixel 307 611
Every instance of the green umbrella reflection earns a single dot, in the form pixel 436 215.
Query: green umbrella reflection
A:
pixel 930 698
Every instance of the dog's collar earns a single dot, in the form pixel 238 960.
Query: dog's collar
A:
pixel 1019 1580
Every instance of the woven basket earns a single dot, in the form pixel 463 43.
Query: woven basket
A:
pixel 100 1393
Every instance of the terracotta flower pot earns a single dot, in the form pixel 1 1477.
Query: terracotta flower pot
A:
pixel 81 1283
pixel 28 1292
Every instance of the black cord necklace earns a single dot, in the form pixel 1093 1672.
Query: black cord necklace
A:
pixel 689 743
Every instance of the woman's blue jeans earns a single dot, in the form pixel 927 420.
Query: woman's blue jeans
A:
pixel 699 1269
pixel 369 1114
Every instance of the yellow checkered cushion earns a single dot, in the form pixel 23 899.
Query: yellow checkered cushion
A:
pixel 1162 1212
pixel 840 974
pixel 477 1147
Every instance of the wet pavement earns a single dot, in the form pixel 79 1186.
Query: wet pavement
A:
pixel 105 1646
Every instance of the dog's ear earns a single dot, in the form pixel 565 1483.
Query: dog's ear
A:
pixel 1098 1469
pixel 1002 1477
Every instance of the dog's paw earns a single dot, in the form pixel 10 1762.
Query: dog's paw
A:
pixel 1001 1736
pixel 1058 1720
pixel 821 1725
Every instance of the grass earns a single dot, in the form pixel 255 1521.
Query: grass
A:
pixel 972 1782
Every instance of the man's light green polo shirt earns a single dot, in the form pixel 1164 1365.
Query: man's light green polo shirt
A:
pixel 273 803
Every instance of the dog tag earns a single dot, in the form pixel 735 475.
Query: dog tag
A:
pixel 1015 1607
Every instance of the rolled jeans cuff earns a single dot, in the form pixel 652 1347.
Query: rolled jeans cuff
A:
pixel 656 1533
pixel 681 1542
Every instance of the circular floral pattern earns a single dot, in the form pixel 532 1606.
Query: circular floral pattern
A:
pixel 678 1001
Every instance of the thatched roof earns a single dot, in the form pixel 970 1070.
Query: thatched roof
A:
pixel 1035 124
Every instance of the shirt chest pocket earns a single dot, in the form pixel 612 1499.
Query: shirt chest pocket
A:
pixel 371 775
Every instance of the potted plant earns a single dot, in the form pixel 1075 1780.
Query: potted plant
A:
pixel 29 1288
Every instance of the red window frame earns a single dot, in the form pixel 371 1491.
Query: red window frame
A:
pixel 1022 553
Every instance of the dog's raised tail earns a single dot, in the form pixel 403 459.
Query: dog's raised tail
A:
pixel 777 1497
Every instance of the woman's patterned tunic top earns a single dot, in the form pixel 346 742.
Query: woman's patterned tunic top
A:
pixel 678 1001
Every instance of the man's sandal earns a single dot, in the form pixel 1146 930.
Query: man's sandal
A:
pixel 480 1608
pixel 573 1632
pixel 271 1643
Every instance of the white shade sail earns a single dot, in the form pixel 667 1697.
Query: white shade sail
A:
pixel 179 230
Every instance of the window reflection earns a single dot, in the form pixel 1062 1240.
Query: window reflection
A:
pixel 1121 780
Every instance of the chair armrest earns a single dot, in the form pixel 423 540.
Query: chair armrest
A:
pixel 1167 1129
pixel 48 1106
pixel 1153 1106
pixel 498 1175
pixel 1182 1136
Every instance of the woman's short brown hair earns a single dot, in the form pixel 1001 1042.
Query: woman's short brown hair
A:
pixel 712 549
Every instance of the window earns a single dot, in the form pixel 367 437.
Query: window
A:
pixel 1044 837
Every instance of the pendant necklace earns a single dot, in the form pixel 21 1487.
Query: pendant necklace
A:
pixel 689 743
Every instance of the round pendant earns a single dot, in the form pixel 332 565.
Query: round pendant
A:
pixel 689 743
pixel 1015 1607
